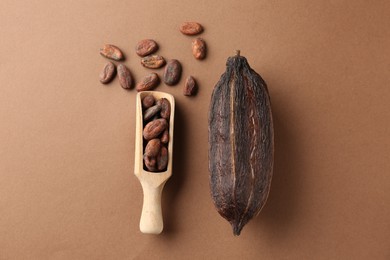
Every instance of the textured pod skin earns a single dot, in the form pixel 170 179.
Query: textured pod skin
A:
pixel 241 143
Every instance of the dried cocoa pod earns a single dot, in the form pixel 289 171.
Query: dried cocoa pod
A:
pixel 108 73
pixel 111 52
pixel 151 111
pixel 165 136
pixel 191 28
pixel 172 72
pixel 146 47
pixel 150 163
pixel 241 143
pixel 190 87
pixel 124 75
pixel 154 128
pixel 165 108
pixel 162 158
pixel 149 82
pixel 153 147
pixel 153 61
pixel 199 48
pixel 148 101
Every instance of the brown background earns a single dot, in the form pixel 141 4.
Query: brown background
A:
pixel 67 189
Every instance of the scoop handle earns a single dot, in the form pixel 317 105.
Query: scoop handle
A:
pixel 151 217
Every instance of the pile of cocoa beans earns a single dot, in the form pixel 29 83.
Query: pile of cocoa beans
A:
pixel 156 114
pixel 146 49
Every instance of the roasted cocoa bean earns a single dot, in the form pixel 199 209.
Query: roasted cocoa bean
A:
pixel 241 143
pixel 190 87
pixel 146 47
pixel 108 73
pixel 154 128
pixel 199 48
pixel 153 147
pixel 149 82
pixel 124 75
pixel 162 159
pixel 151 111
pixel 148 101
pixel 191 28
pixel 150 163
pixel 153 61
pixel 172 72
pixel 156 133
pixel 165 136
pixel 111 52
pixel 165 108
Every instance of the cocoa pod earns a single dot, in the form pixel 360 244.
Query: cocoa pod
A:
pixel 241 143
pixel 190 87
pixel 108 73
pixel 149 82
pixel 153 147
pixel 151 111
pixel 191 28
pixel 162 159
pixel 148 101
pixel 165 136
pixel 165 108
pixel 146 47
pixel 172 72
pixel 111 52
pixel 153 61
pixel 124 75
pixel 199 48
pixel 154 128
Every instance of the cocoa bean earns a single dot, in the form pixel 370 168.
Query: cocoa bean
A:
pixel 151 111
pixel 111 52
pixel 172 72
pixel 124 75
pixel 199 48
pixel 153 147
pixel 149 82
pixel 154 128
pixel 146 47
pixel 165 136
pixel 165 108
pixel 150 163
pixel 108 73
pixel 148 101
pixel 162 159
pixel 153 61
pixel 190 87
pixel 191 28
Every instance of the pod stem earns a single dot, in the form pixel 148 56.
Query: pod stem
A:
pixel 237 53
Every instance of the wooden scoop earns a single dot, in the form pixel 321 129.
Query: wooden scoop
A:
pixel 152 182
